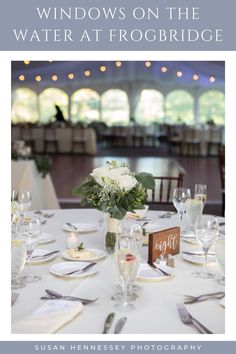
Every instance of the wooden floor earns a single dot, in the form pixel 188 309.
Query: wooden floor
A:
pixel 69 170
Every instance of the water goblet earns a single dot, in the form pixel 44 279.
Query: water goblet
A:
pixel 180 198
pixel 206 230
pixel 30 232
pixel 200 193
pixel 18 258
pixel 126 261
pixel 220 256
pixel 21 201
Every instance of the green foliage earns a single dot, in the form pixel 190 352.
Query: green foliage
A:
pixel 114 202
pixel 43 164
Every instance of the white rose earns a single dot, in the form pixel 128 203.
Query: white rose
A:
pixel 100 172
pixel 115 173
pixel 127 182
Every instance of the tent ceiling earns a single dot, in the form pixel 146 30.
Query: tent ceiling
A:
pixel 128 72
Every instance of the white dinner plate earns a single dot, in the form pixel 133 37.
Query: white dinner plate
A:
pixel 199 258
pixel 191 238
pixel 80 227
pixel 41 252
pixel 95 255
pixel 147 273
pixel 46 238
pixel 61 269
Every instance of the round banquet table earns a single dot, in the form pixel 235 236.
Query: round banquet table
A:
pixel 155 309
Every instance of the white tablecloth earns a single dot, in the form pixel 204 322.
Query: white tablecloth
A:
pixel 24 175
pixel 156 306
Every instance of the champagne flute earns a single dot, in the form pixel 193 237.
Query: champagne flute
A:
pixel 206 230
pixel 220 256
pixel 30 232
pixel 200 193
pixel 18 257
pixel 126 260
pixel 193 211
pixel 180 198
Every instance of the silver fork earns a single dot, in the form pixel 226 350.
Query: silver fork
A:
pixel 188 299
pixel 187 319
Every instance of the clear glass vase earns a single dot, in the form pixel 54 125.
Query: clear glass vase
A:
pixel 112 229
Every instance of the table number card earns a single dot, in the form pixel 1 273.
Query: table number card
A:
pixel 163 243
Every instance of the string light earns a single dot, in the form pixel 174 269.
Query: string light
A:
pixel 26 62
pixel 103 68
pixel 38 78
pixel 71 76
pixel 118 64
pixel 195 77
pixel 164 69
pixel 54 77
pixel 212 79
pixel 179 74
pixel 148 64
pixel 22 78
pixel 87 73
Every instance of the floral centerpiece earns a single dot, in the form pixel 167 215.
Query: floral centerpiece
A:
pixel 114 189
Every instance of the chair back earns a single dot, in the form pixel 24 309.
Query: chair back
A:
pixel 222 165
pixel 164 187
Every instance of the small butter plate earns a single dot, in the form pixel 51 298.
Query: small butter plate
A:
pixel 79 227
pixel 147 273
pixel 199 258
pixel 41 255
pixel 96 255
pixel 61 269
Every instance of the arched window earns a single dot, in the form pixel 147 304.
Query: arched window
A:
pixel 212 107
pixel 115 107
pixel 24 106
pixel 47 101
pixel 179 107
pixel 85 106
pixel 150 107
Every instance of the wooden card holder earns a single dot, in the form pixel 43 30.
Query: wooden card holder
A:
pixel 163 243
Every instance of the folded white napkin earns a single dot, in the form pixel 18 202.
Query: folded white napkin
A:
pixel 210 314
pixel 49 317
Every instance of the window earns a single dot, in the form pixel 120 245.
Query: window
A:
pixel 179 107
pixel 24 106
pixel 47 101
pixel 115 107
pixel 150 107
pixel 212 107
pixel 85 106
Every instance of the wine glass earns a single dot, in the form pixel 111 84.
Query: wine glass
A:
pixel 220 256
pixel 30 232
pixel 126 261
pixel 206 230
pixel 21 201
pixel 200 193
pixel 18 258
pixel 180 198
pixel 193 211
pixel 136 232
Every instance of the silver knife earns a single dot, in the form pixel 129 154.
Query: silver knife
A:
pixel 120 325
pixel 108 322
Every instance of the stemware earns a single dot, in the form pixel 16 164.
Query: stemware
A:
pixel 194 210
pixel 30 232
pixel 180 198
pixel 18 258
pixel 126 261
pixel 220 256
pixel 200 193
pixel 206 230
pixel 21 201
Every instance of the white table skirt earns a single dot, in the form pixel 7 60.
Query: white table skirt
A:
pixel 156 306
pixel 24 175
